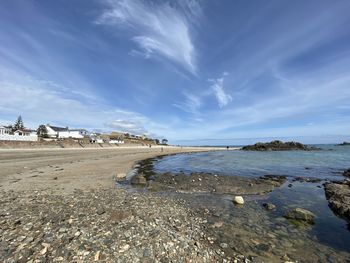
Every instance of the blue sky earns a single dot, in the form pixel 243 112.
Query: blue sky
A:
pixel 190 71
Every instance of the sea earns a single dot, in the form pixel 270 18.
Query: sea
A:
pixel 327 164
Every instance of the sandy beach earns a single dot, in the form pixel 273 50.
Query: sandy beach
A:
pixel 63 170
pixel 62 205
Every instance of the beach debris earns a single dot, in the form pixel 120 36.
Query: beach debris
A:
pixel 300 214
pixel 238 200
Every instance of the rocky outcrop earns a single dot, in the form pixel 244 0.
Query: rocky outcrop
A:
pixel 344 144
pixel 346 173
pixel 300 214
pixel 278 146
pixel 338 196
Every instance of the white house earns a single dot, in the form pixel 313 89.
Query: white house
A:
pixel 19 135
pixel 4 130
pixel 75 134
pixel 53 131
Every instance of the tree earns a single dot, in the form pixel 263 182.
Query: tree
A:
pixel 164 141
pixel 18 124
pixel 42 131
pixel 157 141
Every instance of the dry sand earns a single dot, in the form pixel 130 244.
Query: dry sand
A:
pixel 63 170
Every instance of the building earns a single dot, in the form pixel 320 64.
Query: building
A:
pixel 53 131
pixel 74 134
pixel 25 132
pixel 19 135
pixel 4 130
pixel 65 133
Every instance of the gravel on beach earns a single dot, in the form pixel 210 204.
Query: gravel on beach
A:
pixel 106 226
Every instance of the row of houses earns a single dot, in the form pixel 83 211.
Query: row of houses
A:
pixel 55 132
pixel 58 133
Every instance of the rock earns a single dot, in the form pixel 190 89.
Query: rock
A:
pixel 223 245
pixel 120 176
pixel 124 248
pixel 263 247
pixel 278 146
pixel 269 206
pixel 338 196
pixel 344 144
pixel 346 173
pixel 307 179
pixel 238 200
pixel 300 214
pixel 97 256
pixel 139 179
pixel 100 210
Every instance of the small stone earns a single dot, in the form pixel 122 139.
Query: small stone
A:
pixel 263 247
pixel 124 248
pixel 223 245
pixel 100 211
pixel 269 206
pixel 238 200
pixel 97 256
pixel 44 251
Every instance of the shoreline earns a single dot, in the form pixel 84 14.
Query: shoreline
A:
pixel 63 205
pixel 65 169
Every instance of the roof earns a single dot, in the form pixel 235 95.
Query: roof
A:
pixel 25 130
pixel 58 129
pixel 80 130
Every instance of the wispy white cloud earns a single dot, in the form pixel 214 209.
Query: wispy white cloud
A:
pixel 217 87
pixel 190 104
pixel 159 30
pixel 127 126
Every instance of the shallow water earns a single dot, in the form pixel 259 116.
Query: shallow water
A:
pixel 327 163
pixel 329 230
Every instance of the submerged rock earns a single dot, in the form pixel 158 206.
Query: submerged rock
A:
pixel 269 206
pixel 138 179
pixel 300 214
pixel 278 146
pixel 307 179
pixel 238 200
pixel 338 196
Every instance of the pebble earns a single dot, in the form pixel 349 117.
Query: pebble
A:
pixel 238 200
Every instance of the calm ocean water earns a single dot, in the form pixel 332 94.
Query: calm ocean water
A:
pixel 327 164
